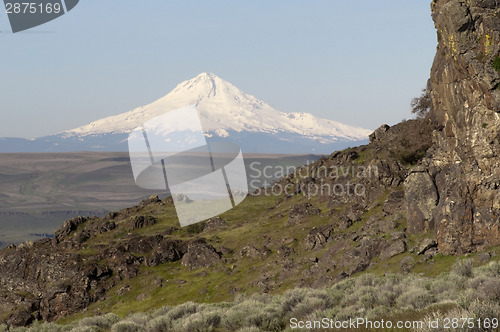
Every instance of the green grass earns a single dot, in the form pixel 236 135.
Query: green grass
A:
pixel 217 284
pixel 364 157
pixel 440 264
pixel 222 282
pixel 496 63
pixel 261 221
pixel 392 297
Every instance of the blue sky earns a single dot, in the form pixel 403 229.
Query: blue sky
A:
pixel 357 62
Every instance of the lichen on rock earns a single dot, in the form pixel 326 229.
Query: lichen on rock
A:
pixel 464 160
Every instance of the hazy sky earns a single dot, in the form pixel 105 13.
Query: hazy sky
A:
pixel 357 62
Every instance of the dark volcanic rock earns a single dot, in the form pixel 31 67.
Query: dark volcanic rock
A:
pixel 421 200
pixel 106 226
pixel 377 134
pixel 354 212
pixel 284 252
pixel 167 251
pixel 214 224
pixel 20 317
pixel 199 255
pixel 397 248
pixel 143 221
pixel 300 213
pixel 68 227
pixel 426 245
pixel 251 251
pixel 394 202
pixel 317 237
pixel 466 103
pixel 407 264
pixel 55 283
pixel 142 245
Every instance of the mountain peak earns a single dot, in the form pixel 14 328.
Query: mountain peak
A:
pixel 206 76
pixel 222 106
pixel 204 84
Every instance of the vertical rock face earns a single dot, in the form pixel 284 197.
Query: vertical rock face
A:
pixel 465 92
pixel 421 200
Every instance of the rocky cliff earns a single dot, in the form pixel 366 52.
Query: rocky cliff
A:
pixel 464 162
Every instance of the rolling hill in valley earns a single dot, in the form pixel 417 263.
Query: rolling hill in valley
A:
pixel 41 190
pixel 226 113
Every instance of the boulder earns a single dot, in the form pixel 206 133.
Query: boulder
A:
pixel 317 237
pixel 142 244
pixel 394 202
pixel 426 245
pixel 378 133
pixel 214 224
pixel 143 221
pixel 167 251
pixel 199 255
pixel 300 213
pixel 251 251
pixel 407 264
pixel 68 227
pixel 421 200
pixel 397 248
pixel 20 317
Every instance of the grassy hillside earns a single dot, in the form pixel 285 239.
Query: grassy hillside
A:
pixel 465 292
pixel 139 259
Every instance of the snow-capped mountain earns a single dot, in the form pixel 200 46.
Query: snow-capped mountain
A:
pixel 223 108
pixel 226 113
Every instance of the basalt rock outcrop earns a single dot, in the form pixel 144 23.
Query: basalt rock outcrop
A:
pixel 53 278
pixel 421 200
pixel 465 91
